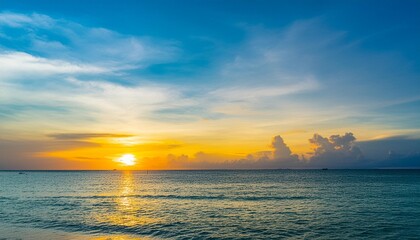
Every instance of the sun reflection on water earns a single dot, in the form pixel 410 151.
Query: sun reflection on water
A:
pixel 125 201
pixel 129 204
pixel 128 208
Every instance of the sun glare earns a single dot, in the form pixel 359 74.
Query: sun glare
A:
pixel 127 159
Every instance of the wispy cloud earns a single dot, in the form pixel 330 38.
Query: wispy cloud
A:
pixel 43 36
pixel 81 136
pixel 78 70
pixel 87 103
pixel 17 65
pixel 258 92
pixel 18 20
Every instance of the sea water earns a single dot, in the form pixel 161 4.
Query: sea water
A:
pixel 265 204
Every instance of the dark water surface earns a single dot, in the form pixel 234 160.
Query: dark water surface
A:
pixel 295 204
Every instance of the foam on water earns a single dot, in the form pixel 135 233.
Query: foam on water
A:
pixel 296 204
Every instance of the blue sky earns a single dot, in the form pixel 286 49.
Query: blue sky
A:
pixel 201 74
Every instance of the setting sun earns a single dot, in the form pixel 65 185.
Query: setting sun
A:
pixel 127 159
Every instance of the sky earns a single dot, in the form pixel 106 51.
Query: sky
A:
pixel 209 84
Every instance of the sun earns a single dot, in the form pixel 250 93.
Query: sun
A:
pixel 127 159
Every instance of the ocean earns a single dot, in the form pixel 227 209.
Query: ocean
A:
pixel 260 204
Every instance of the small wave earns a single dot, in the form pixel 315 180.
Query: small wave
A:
pixel 8 198
pixel 188 197
pixel 156 230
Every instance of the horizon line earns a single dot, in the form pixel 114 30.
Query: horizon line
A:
pixel 156 170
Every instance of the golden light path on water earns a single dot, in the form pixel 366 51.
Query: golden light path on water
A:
pixel 129 210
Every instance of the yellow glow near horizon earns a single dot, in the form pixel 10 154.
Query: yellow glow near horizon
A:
pixel 127 159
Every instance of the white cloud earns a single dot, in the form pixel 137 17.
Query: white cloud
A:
pixel 67 72
pixel 252 93
pixel 21 20
pixel 280 56
pixel 19 64
pixel 107 101
pixel 44 36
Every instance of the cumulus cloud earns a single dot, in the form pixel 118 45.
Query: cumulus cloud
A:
pixel 281 150
pixel 336 150
pixel 279 157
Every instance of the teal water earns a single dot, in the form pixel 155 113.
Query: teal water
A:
pixel 294 204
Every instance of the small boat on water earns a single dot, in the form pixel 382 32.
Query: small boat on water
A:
pixel 325 169
pixel 22 173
